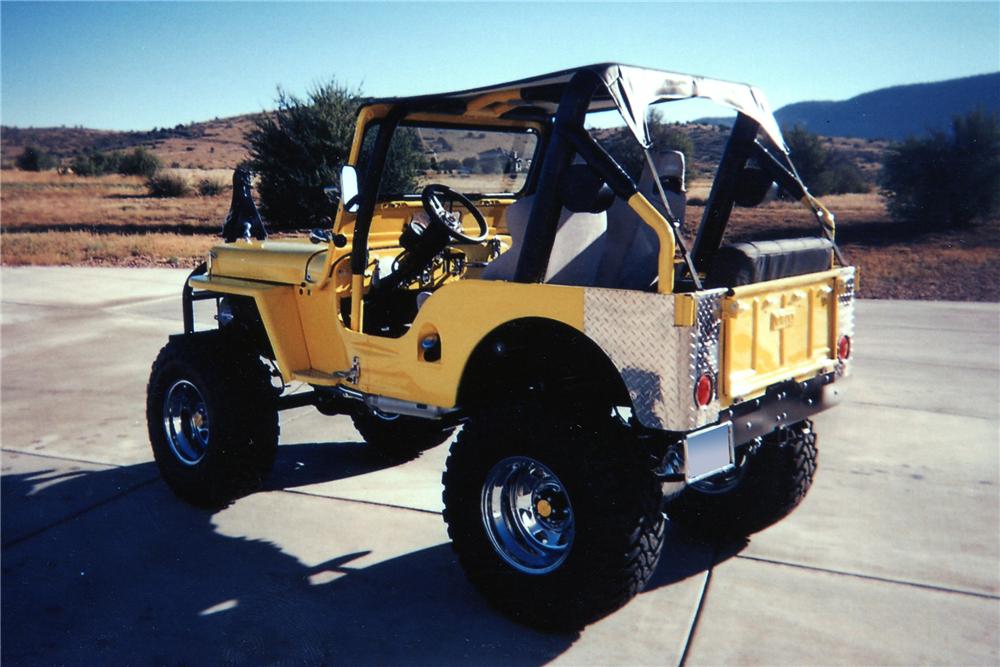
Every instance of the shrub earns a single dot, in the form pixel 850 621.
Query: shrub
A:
pixel 168 184
pixel 824 171
pixel 299 148
pixel 950 179
pixel 139 162
pixel 34 158
pixel 209 186
pixel 97 163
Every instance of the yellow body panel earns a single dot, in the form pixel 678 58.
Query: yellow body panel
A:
pixel 271 261
pixel 312 344
pixel 278 310
pixel 461 314
pixel 776 330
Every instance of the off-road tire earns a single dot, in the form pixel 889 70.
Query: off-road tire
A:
pixel 241 411
pixel 772 483
pixel 398 437
pixel 616 508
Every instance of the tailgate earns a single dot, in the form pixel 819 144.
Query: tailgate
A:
pixel 783 329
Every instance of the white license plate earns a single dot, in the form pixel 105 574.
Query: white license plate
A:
pixel 708 451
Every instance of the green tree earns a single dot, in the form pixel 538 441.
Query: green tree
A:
pixel 34 158
pixel 403 161
pixel 298 149
pixel 949 179
pixel 824 171
pixel 629 154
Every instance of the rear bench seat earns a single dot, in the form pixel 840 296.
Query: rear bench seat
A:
pixel 760 261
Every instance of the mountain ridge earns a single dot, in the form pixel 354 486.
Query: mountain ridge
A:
pixel 893 113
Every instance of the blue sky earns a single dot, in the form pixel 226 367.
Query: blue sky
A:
pixel 140 65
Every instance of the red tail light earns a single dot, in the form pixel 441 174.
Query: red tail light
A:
pixel 704 389
pixel 844 348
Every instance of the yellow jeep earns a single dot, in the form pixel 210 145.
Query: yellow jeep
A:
pixel 537 296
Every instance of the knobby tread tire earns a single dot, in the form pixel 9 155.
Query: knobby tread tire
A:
pixel 402 438
pixel 242 411
pixel 616 502
pixel 777 477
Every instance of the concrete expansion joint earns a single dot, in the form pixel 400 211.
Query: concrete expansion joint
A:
pixel 871 577
pixel 370 503
pixel 696 614
pixel 75 515
pixel 6 450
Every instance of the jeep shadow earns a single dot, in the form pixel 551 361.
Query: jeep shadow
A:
pixel 143 576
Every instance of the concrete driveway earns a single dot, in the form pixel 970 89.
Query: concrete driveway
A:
pixel 894 558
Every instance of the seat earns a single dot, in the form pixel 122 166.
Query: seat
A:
pixel 631 251
pixel 759 261
pixel 579 242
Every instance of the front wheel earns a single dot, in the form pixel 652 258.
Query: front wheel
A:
pixel 212 418
pixel 770 484
pixel 556 521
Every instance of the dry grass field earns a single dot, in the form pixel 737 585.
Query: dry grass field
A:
pixel 46 218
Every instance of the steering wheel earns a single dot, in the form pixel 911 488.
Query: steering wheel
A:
pixel 432 197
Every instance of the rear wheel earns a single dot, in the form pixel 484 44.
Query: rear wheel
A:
pixel 556 521
pixel 212 418
pixel 398 437
pixel 769 485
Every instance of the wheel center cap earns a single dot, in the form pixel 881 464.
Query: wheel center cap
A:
pixel 544 508
pixel 198 420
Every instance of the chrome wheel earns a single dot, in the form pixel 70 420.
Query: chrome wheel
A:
pixel 185 421
pixel 527 515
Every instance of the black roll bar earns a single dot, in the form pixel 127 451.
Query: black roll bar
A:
pixel 720 201
pixel 540 233
pixel 368 195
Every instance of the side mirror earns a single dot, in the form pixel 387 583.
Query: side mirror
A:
pixel 349 188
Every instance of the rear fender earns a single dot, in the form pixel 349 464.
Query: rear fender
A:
pixel 543 360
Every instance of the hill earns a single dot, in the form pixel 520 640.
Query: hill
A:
pixel 896 112
pixel 892 113
pixel 214 144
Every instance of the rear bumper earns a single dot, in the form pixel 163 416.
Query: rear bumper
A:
pixel 781 405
